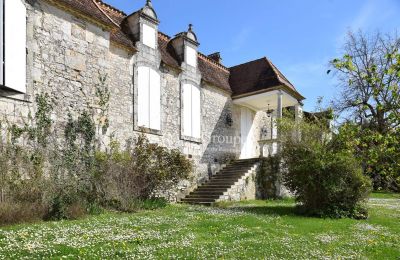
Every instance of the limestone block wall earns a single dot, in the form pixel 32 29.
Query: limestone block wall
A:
pixel 245 188
pixel 67 55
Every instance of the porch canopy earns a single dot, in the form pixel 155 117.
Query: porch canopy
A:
pixel 259 85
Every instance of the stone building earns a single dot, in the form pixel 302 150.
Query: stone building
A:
pixel 160 85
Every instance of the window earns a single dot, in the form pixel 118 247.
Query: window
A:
pixel 149 36
pixel 149 98
pixel 13 45
pixel 191 56
pixel 191 111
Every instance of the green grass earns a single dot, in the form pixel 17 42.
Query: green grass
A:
pixel 385 195
pixel 253 229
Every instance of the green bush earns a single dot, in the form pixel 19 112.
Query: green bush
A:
pixel 325 178
pixel 75 174
pixel 125 177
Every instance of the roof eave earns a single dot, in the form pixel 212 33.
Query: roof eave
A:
pixel 286 88
pixel 68 8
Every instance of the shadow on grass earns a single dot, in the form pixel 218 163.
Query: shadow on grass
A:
pixel 271 210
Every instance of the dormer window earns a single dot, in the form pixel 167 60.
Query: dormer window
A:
pixel 13 45
pixel 191 56
pixel 149 36
pixel 186 45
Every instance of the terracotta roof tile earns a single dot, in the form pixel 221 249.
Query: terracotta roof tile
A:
pixel 257 75
pixel 242 79
pixel 86 7
pixel 214 73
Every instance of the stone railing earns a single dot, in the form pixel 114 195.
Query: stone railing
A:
pixel 272 146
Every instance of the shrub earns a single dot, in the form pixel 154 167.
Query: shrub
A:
pixel 126 177
pixel 67 176
pixel 326 178
pixel 17 212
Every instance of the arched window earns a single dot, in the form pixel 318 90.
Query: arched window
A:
pixel 148 98
pixel 13 45
pixel 191 111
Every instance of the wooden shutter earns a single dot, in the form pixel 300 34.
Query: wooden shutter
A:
pixel 143 97
pixel 191 56
pixel 155 99
pixel 196 112
pixel 15 45
pixel 149 36
pixel 187 110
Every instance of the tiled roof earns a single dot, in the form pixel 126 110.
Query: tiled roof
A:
pixel 250 77
pixel 214 73
pixel 85 7
pixel 256 76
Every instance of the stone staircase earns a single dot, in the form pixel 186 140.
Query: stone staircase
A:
pixel 219 184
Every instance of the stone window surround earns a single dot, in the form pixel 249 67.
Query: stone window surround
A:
pixel 151 24
pixel 184 137
pixel 136 127
pixel 144 21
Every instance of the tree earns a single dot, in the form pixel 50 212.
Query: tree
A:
pixel 369 73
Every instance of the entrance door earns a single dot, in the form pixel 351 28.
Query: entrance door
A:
pixel 247 142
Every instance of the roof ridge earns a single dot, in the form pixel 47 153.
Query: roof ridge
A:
pixel 96 3
pixel 166 37
pixel 219 65
pixel 247 62
pixel 111 8
pixel 278 73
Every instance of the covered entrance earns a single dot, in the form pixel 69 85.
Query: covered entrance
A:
pixel 259 134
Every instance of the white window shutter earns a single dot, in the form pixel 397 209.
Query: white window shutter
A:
pixel 196 112
pixel 191 56
pixel 15 45
pixel 187 110
pixel 155 99
pixel 149 36
pixel 143 96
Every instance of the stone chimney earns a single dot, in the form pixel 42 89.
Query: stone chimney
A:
pixel 216 57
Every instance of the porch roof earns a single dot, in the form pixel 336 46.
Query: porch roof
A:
pixel 255 77
pixel 267 100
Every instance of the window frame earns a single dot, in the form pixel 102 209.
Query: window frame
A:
pixel 146 34
pixel 9 81
pixel 189 50
pixel 184 135
pixel 137 108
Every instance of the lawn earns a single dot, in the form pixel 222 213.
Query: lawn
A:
pixel 254 229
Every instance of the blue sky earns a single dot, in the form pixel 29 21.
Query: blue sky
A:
pixel 300 37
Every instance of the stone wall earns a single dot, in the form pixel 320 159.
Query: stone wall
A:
pixel 66 56
pixel 245 188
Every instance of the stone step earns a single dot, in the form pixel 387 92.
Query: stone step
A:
pixel 216 186
pixel 205 189
pixel 197 203
pixel 227 176
pixel 198 200
pixel 207 196
pixel 207 192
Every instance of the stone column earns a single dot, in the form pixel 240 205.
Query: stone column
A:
pixel 279 112
pixel 298 112
pixel 279 115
